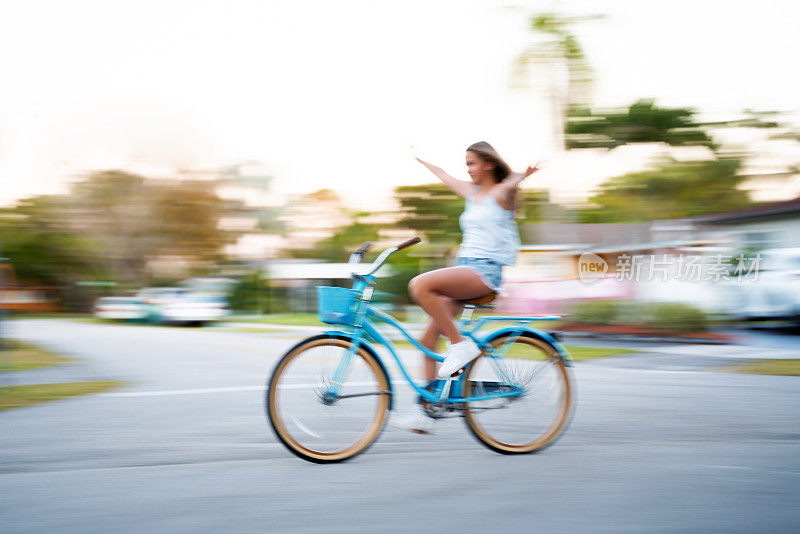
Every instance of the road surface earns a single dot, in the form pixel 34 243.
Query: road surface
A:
pixel 658 444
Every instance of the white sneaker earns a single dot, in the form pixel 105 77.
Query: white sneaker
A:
pixel 457 356
pixel 416 421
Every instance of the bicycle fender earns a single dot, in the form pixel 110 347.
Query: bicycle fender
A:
pixel 347 336
pixel 530 332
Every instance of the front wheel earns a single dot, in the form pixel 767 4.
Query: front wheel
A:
pixel 539 393
pixel 322 419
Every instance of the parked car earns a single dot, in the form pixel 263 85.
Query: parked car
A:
pixel 775 292
pixel 120 308
pixel 170 305
pixel 155 296
pixel 193 308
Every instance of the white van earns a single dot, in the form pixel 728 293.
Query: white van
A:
pixel 775 292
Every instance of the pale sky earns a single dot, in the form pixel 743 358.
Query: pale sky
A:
pixel 331 94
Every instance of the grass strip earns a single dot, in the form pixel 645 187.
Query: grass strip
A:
pixel 21 357
pixel 47 315
pixel 766 367
pixel 589 353
pixel 293 319
pixel 253 330
pixel 311 319
pixel 19 396
pixel 578 353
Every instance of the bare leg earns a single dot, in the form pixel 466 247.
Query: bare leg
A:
pixel 431 336
pixel 457 283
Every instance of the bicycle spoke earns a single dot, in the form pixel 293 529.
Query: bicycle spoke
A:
pixel 323 418
pixel 530 419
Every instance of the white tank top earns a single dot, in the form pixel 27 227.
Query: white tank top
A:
pixel 489 231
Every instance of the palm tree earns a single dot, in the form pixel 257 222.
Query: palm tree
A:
pixel 569 75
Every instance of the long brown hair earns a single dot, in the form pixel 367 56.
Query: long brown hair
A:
pixel 487 153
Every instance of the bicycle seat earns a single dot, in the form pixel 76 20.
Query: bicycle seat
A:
pixel 485 300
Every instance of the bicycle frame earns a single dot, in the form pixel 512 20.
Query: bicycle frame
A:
pixel 364 330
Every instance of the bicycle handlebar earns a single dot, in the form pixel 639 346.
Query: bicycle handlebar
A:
pixel 355 257
pixel 385 254
pixel 412 241
pixel 364 247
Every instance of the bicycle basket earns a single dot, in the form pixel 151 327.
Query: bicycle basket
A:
pixel 336 305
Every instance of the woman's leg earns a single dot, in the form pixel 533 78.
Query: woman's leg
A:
pixel 457 283
pixel 437 296
pixel 431 336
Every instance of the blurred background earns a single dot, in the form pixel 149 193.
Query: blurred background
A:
pixel 189 162
pixel 208 163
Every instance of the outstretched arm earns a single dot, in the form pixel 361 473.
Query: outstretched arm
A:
pixel 506 191
pixel 516 178
pixel 459 187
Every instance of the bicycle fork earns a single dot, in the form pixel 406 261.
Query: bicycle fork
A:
pixel 331 393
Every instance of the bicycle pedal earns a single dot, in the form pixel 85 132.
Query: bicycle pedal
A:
pixel 434 411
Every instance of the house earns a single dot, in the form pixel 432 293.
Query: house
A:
pixel 703 261
pixel 21 298
pixel 774 225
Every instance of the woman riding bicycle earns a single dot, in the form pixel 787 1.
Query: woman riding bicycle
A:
pixel 490 241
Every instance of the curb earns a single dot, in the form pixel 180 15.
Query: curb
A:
pixel 646 339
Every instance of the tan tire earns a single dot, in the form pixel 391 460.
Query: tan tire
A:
pixel 523 423
pixel 303 416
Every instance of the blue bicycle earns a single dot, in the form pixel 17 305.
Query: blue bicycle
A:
pixel 328 396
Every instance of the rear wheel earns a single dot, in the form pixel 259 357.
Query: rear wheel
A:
pixel 539 404
pixel 321 421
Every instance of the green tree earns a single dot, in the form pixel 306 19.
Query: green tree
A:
pixel 135 220
pixel 433 210
pixel 535 206
pixel 43 256
pixel 187 217
pixel 255 294
pixel 109 227
pixel 338 247
pixel 44 252
pixel 558 46
pixel 557 49
pixel 673 189
pixel 642 122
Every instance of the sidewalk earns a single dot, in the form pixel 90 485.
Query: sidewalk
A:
pixel 79 371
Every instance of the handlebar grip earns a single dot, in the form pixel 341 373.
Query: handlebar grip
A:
pixel 364 247
pixel 412 241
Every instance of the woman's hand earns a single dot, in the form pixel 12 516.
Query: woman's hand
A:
pixel 519 176
pixel 516 178
pixel 535 167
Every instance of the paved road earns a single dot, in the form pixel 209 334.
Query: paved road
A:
pixel 664 447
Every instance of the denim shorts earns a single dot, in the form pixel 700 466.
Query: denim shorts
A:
pixel 490 271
